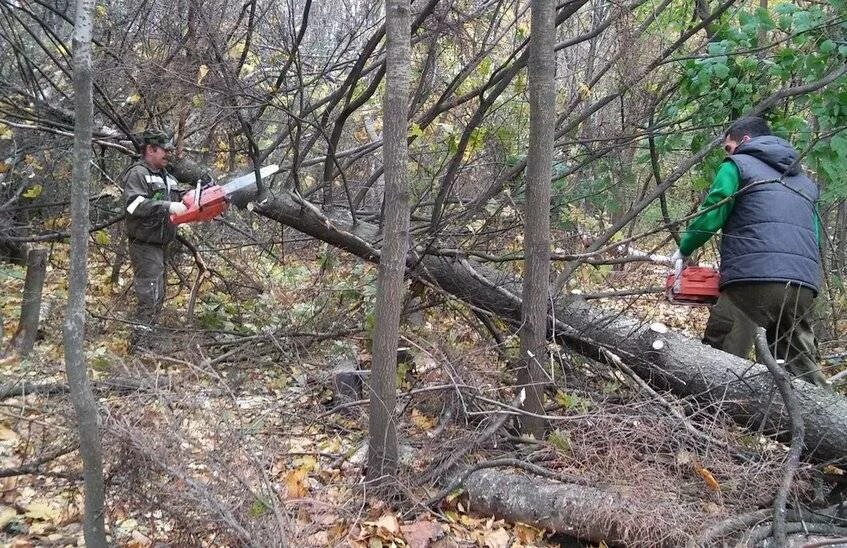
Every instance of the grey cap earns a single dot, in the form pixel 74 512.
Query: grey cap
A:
pixel 157 137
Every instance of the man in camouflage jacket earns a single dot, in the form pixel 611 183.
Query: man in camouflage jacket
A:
pixel 150 196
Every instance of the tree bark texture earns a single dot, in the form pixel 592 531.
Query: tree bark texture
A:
pixel 36 268
pixel 742 389
pixel 75 366
pixel 536 283
pixel 589 513
pixel 382 450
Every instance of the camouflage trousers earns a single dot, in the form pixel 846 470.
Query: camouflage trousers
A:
pixel 148 266
pixel 728 329
pixel 784 310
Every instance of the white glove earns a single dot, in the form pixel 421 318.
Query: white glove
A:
pixel 679 261
pixel 177 208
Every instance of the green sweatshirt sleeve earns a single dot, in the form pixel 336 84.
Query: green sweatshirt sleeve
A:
pixel 712 217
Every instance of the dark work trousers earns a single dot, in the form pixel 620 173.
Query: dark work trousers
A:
pixel 786 312
pixel 148 266
pixel 728 329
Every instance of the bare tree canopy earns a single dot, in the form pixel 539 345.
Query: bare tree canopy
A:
pixel 474 197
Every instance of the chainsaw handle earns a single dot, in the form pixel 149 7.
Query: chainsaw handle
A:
pixel 677 272
pixel 190 200
pixel 203 204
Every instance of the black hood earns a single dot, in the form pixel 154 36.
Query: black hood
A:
pixel 774 151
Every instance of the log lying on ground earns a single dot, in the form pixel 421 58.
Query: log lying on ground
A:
pixel 589 513
pixel 740 388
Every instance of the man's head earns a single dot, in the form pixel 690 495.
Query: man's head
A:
pixel 155 146
pixel 743 130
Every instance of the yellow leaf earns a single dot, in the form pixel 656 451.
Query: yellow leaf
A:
pixel 132 99
pixel 415 130
pixel 584 91
pixel 387 526
pixel 331 446
pixel 708 478
pixel 33 191
pixel 100 11
pixel 101 237
pixel 38 510
pixel 7 434
pixel 138 540
pixel 527 534
pixel 5 132
pixel 6 516
pixel 236 50
pixel 306 463
pixel 201 73
pixel 497 538
pixel 422 421
pixel 296 483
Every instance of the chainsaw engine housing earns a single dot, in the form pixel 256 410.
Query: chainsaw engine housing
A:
pixel 698 285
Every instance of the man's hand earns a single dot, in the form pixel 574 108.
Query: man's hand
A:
pixel 679 261
pixel 177 208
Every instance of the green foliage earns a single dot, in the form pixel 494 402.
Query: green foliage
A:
pixel 572 402
pixel 737 73
pixel 560 440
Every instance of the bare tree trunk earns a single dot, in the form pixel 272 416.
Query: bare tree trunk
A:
pixel 840 257
pixel 382 451
pixel 762 35
pixel 536 282
pixel 36 267
pixel 75 367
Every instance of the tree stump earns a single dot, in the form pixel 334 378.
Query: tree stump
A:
pixel 36 268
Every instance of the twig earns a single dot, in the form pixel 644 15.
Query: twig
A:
pixel 623 293
pixel 792 406
pixel 16 389
pixel 35 466
pixel 838 378
pixel 759 534
pixel 828 542
pixel 617 362
pixel 726 527
pixel 457 455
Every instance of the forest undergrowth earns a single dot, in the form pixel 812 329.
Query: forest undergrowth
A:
pixel 230 429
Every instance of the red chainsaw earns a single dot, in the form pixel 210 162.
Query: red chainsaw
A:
pixel 697 285
pixel 207 202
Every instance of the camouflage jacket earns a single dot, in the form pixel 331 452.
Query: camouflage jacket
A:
pixel 146 195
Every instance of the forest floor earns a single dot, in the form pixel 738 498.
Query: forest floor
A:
pixel 229 429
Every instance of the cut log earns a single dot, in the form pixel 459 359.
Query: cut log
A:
pixel 588 513
pixel 742 389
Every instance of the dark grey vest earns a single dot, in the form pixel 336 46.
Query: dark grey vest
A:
pixel 770 234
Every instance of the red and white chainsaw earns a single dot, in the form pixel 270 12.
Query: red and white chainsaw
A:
pixel 693 285
pixel 207 202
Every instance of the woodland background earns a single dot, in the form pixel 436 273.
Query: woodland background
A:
pixel 241 428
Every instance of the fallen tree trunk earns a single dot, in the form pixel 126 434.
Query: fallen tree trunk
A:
pixel 742 389
pixel 588 513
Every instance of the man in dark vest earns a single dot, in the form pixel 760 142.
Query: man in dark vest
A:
pixel 770 262
pixel 150 196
